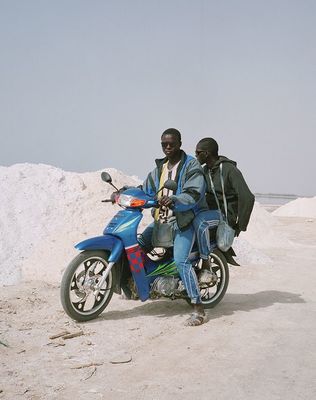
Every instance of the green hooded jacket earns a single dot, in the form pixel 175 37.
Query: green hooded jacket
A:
pixel 239 198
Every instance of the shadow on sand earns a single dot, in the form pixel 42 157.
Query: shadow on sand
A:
pixel 252 301
pixel 229 305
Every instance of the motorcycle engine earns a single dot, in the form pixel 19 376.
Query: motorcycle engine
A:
pixel 165 286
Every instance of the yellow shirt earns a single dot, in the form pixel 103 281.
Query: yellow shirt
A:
pixel 164 213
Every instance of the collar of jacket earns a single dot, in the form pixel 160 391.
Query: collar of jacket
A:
pixel 161 161
pixel 221 159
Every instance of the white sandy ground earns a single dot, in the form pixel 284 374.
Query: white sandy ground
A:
pixel 258 343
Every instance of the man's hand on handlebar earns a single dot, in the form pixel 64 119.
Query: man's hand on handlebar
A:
pixel 165 201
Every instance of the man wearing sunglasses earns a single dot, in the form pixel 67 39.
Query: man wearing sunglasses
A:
pixel 179 210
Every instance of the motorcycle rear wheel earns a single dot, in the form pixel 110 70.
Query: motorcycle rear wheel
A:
pixel 213 294
pixel 78 292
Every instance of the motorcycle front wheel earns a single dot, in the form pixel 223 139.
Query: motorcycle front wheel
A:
pixel 81 297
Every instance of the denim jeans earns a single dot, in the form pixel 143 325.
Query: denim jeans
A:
pixel 204 221
pixel 183 243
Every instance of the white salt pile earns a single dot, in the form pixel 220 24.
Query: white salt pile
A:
pixel 42 209
pixel 261 230
pixel 301 207
pixel 45 211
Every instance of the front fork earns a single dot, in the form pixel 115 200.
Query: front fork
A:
pixel 105 274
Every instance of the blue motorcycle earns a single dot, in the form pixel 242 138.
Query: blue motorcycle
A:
pixel 115 262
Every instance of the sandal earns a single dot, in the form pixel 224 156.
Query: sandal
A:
pixel 195 319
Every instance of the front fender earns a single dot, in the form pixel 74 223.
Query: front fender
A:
pixel 105 242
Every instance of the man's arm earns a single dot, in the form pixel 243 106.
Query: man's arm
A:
pixel 192 189
pixel 149 184
pixel 245 198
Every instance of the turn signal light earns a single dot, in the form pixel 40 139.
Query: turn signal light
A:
pixel 137 203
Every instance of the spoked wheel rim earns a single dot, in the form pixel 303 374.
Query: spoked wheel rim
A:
pixel 84 296
pixel 211 293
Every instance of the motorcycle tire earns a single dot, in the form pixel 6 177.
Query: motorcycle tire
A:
pixel 79 297
pixel 211 296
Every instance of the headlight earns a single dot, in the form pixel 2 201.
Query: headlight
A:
pixel 126 200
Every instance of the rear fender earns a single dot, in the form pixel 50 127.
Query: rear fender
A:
pixel 110 243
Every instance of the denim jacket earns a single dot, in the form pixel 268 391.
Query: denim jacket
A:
pixel 189 198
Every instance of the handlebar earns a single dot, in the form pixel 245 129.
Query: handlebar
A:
pixel 133 200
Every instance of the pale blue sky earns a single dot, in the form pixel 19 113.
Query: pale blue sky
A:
pixel 86 85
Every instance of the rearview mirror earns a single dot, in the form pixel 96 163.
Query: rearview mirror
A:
pixel 106 177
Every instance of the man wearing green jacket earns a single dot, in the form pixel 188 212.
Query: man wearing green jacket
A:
pixel 239 198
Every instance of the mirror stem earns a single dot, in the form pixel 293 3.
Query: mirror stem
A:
pixel 114 186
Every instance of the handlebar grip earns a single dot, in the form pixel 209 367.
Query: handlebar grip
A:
pixel 106 201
